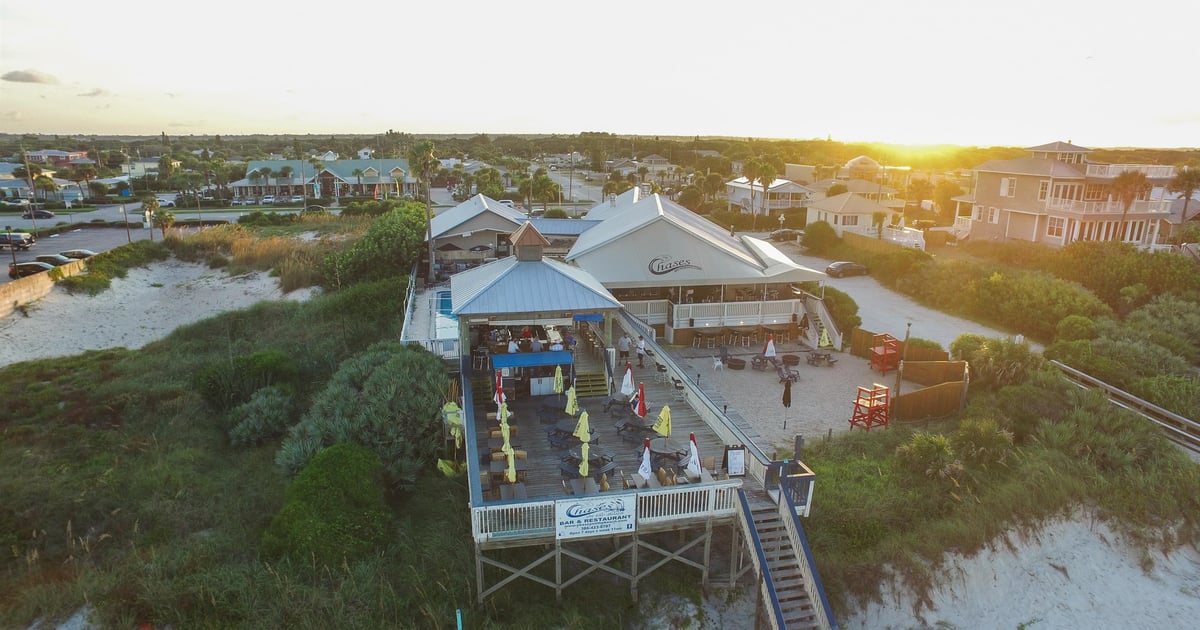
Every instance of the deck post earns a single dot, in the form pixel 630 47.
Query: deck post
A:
pixel 735 554
pixel 478 575
pixel 708 536
pixel 558 587
pixel 633 573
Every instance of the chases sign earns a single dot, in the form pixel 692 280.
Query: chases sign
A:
pixel 595 516
pixel 663 265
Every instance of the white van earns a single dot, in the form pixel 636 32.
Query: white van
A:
pixel 507 202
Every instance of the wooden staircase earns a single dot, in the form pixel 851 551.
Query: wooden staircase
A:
pixel 588 384
pixel 782 563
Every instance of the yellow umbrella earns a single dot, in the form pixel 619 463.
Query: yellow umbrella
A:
pixel 662 426
pixel 583 461
pixel 454 421
pixel 558 380
pixel 510 473
pixel 572 405
pixel 504 433
pixel 582 430
pixel 502 413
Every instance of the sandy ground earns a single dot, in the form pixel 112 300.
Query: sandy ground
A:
pixel 141 308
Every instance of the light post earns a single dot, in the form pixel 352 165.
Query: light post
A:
pixel 11 248
pixel 781 220
pixel 128 236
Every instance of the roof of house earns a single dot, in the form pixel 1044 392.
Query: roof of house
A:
pixel 614 205
pixel 1060 147
pixel 860 186
pixel 1031 166
pixel 528 235
pixel 445 223
pixel 563 227
pixel 779 185
pixel 654 156
pixel 863 161
pixel 847 203
pixel 342 169
pixel 543 286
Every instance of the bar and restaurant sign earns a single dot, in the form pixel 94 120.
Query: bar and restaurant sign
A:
pixel 585 517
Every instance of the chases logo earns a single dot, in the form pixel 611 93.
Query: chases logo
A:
pixel 662 265
pixel 594 509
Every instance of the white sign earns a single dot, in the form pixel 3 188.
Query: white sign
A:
pixel 735 461
pixel 585 517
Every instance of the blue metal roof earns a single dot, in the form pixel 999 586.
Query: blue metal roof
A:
pixel 544 286
pixel 531 359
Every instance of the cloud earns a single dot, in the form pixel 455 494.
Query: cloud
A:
pixel 11 115
pixel 96 92
pixel 28 76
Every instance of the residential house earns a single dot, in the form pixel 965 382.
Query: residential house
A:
pixel 849 212
pixel 781 195
pixel 873 190
pixel 53 157
pixel 337 178
pixel 1055 196
pixel 365 153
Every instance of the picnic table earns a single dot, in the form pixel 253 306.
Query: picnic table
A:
pixel 510 491
pixel 584 487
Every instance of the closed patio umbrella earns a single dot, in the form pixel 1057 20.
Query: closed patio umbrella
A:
pixel 787 400
pixel 627 381
pixel 769 348
pixel 638 404
pixel 644 469
pixel 510 473
pixel 662 426
pixel 693 464
pixel 583 461
pixel 572 404
pixel 498 394
pixel 558 379
pixel 582 430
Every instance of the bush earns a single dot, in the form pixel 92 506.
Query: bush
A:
pixel 929 455
pixel 556 213
pixel 369 208
pixel 225 384
pixel 259 218
pixel 819 238
pixel 1002 362
pixel 333 512
pixel 965 345
pixel 982 443
pixel 386 398
pixel 843 308
pixel 1075 327
pixel 927 344
pixel 390 247
pixel 265 416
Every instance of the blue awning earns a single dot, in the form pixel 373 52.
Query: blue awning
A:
pixel 589 317
pixel 531 359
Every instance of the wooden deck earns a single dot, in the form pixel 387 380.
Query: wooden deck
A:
pixel 533 416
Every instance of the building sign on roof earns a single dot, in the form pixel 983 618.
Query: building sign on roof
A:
pixel 663 265
pixel 584 517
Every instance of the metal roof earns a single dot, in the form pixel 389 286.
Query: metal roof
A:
pixel 563 227
pixel 1060 147
pixel 1031 166
pixel 847 203
pixel 615 205
pixel 445 222
pixel 511 286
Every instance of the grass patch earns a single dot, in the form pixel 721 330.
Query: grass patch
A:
pixel 115 263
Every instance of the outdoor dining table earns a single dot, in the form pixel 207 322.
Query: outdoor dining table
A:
pixel 668 451
pixel 566 426
pixel 584 487
pixel 596 455
pixel 509 491
pixel 499 466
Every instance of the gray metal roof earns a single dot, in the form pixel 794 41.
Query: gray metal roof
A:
pixel 1031 166
pixel 563 227
pixel 445 222
pixel 1059 147
pixel 509 286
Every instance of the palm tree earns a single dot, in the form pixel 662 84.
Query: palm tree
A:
pixel 150 208
pixel 1185 183
pixel 750 170
pixel 286 173
pixel 45 184
pixel 29 174
pixel 1127 186
pixel 358 172
pixel 265 172
pixel 163 219
pixel 877 219
pixel 317 167
pixel 423 164
pixel 766 176
pixel 642 171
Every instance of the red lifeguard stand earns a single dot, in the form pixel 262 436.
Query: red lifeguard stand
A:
pixel 885 353
pixel 871 407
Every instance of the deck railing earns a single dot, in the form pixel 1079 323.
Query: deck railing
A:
pixel 1108 207
pixel 709 314
pixel 798 487
pixel 1112 170
pixel 766 587
pixel 812 580
pixel 816 307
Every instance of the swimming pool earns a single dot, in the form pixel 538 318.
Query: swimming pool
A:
pixel 445 324
pixel 443 303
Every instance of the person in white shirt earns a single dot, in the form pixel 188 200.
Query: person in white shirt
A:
pixel 623 347
pixel 641 351
pixel 512 346
pixel 556 346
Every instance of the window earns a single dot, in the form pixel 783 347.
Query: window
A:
pixel 993 215
pixel 1055 227
pixel 850 220
pixel 1095 192
pixel 1043 190
pixel 977 213
pixel 1008 186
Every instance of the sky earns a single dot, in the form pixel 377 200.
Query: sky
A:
pixel 1017 73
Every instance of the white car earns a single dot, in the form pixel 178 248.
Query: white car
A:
pixel 268 199
pixel 297 198
pixel 15 203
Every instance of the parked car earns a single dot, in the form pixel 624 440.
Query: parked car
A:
pixel 78 254
pixel 37 214
pixel 315 208
pixel 22 269
pixel 843 268
pixel 297 198
pixel 54 259
pixel 268 199
pixel 243 202
pixel 14 203
pixel 18 240
pixel 785 235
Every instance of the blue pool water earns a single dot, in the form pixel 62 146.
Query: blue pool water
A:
pixel 445 324
pixel 443 303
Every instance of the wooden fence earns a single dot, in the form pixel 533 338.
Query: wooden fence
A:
pixel 860 346
pixel 945 395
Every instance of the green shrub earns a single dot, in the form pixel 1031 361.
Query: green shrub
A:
pixel 1002 362
pixel 260 218
pixel 1074 328
pixel 819 238
pixel 1180 394
pixel 843 309
pixel 334 511
pixel 927 344
pixel 965 345
pixel 386 398
pixel 390 247
pixel 217 261
pixel 556 213
pixel 981 442
pixel 264 417
pixel 930 455
pixel 225 384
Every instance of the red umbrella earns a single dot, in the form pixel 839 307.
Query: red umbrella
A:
pixel 499 396
pixel 638 404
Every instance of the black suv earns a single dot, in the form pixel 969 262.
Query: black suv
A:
pixel 19 240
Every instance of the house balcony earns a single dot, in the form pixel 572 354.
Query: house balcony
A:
pixel 1109 171
pixel 1108 207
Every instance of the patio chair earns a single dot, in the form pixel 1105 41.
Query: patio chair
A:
pixel 680 390
pixel 660 373
pixel 787 374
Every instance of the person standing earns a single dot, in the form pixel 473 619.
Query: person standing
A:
pixel 623 347
pixel 641 351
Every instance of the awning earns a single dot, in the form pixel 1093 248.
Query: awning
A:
pixel 531 359
pixel 589 317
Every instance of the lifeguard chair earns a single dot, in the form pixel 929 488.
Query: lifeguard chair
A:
pixel 885 353
pixel 871 407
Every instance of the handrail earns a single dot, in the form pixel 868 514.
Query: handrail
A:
pixel 468 412
pixel 835 335
pixel 699 394
pixel 812 579
pixel 1184 431
pixel 799 487
pixel 760 562
pixel 408 302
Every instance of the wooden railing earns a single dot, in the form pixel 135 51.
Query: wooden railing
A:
pixel 1108 207
pixel 807 565
pixel 816 308
pixel 798 487
pixel 710 314
pixel 759 559
pixel 1112 170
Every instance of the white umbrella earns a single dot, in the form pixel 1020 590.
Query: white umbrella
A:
pixel 769 349
pixel 627 382
pixel 693 464
pixel 644 470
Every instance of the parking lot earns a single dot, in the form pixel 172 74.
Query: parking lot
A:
pixel 96 239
